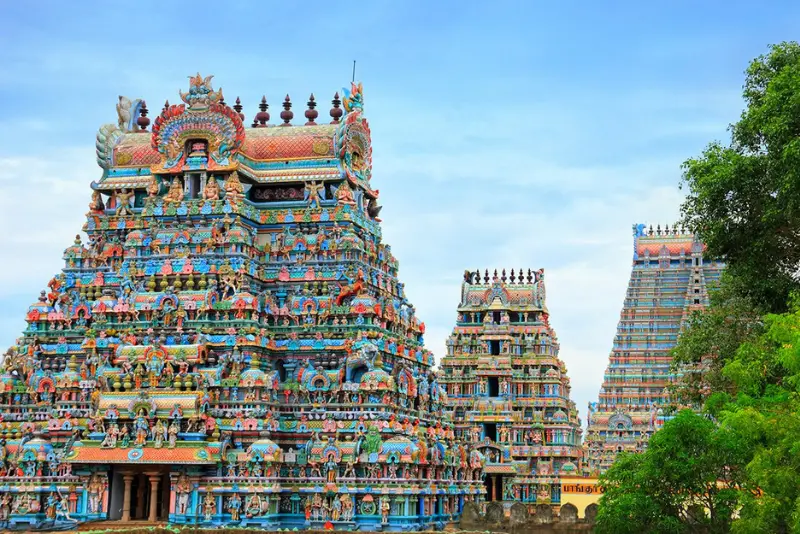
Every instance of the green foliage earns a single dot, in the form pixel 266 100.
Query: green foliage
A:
pixel 766 374
pixel 688 480
pixel 744 198
pixel 741 357
pixel 711 338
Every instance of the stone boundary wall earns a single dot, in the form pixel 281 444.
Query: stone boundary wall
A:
pixel 520 521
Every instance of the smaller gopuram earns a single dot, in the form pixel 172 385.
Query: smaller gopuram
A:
pixel 508 389
pixel 669 280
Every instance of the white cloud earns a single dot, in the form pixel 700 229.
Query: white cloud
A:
pixel 42 208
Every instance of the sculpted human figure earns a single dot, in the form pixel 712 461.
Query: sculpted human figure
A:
pixel 313 194
pixel 211 191
pixel 123 198
pixel 97 202
pixel 96 489
pixel 153 187
pixel 344 194
pixel 209 506
pixel 183 490
pixel 234 191
pixel 175 193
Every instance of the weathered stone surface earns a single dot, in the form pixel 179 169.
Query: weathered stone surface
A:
pixel 591 513
pixel 495 513
pixel 519 513
pixel 568 514
pixel 470 516
pixel 544 514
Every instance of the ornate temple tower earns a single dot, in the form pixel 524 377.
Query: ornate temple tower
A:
pixel 508 389
pixel 232 345
pixel 669 280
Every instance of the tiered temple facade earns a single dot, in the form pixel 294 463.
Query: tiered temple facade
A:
pixel 509 390
pixel 669 280
pixel 232 345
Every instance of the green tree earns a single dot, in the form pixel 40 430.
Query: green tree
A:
pixel 710 340
pixel 765 376
pixel 688 480
pixel 744 198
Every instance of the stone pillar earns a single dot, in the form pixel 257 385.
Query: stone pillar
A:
pixel 155 480
pixel 127 478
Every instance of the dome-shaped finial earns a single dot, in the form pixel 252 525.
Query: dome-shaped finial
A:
pixel 143 121
pixel 287 115
pixel 311 113
pixel 336 110
pixel 166 105
pixel 262 116
pixel 237 107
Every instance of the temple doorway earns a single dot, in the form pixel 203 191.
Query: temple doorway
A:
pixel 494 386
pixel 494 487
pixel 490 431
pixel 137 495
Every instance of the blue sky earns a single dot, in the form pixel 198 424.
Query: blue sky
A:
pixel 506 134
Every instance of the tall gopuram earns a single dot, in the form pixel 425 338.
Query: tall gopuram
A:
pixel 508 389
pixel 669 280
pixel 232 344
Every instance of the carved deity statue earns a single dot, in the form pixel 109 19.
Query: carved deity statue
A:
pixel 183 490
pixel 123 198
pixel 234 191
pixel 175 193
pixel 96 204
pixel 96 490
pixel 344 194
pixel 313 194
pixel 211 191
pixel 153 188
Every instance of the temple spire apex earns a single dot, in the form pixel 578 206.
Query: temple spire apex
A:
pixel 143 122
pixel 262 117
pixel 336 111
pixel 311 113
pixel 237 107
pixel 287 115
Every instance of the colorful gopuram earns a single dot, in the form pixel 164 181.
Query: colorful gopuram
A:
pixel 508 389
pixel 669 280
pixel 231 345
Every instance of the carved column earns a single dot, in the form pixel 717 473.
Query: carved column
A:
pixel 127 478
pixel 155 480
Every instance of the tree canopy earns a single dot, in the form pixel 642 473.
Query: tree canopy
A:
pixel 690 466
pixel 740 358
pixel 744 198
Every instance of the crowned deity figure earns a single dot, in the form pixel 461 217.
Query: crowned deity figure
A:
pixel 175 193
pixel 141 429
pixel 234 506
pixel 211 191
pixel 153 188
pixel 183 490
pixel 95 488
pixel 159 433
pixel 209 506
pixel 313 194
pixel 123 198
pixel 174 428
pixel 234 191
pixel 344 195
pixel 96 205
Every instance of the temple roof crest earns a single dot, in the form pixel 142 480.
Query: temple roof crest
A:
pixel 201 95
